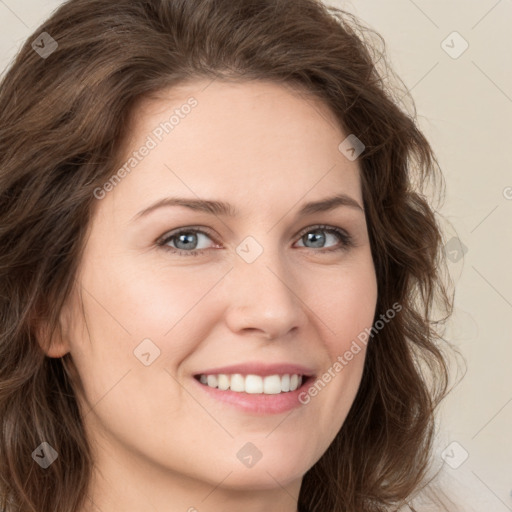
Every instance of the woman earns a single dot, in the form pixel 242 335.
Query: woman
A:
pixel 262 373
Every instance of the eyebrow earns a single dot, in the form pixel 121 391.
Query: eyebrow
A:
pixel 225 209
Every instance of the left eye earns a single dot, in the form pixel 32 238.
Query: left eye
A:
pixel 185 241
pixel 312 235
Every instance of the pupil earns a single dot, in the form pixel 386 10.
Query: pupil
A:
pixel 185 236
pixel 312 235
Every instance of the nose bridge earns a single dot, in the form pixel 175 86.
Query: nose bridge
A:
pixel 264 295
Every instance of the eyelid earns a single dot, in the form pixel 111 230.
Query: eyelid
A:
pixel 346 239
pixel 175 231
pixel 326 227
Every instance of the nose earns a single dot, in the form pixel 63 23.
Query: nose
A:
pixel 265 297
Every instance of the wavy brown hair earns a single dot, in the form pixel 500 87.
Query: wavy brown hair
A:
pixel 63 120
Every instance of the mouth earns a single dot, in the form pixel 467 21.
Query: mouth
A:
pixel 253 384
pixel 256 387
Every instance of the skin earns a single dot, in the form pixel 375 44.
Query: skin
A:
pixel 160 443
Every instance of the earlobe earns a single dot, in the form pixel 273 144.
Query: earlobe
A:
pixel 52 344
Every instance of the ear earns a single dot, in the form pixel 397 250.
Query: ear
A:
pixel 54 344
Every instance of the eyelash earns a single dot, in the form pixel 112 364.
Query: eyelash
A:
pixel 346 240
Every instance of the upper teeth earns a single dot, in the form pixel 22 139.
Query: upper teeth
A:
pixel 269 385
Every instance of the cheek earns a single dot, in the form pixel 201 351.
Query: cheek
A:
pixel 345 303
pixel 133 318
pixel 345 306
pixel 138 301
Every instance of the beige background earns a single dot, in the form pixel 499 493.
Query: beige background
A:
pixel 464 106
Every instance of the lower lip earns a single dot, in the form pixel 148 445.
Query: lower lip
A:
pixel 258 403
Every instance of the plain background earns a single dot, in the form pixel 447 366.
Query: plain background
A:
pixel 464 107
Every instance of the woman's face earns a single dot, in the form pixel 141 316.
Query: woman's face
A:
pixel 160 304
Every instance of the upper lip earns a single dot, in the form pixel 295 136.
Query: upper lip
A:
pixel 263 369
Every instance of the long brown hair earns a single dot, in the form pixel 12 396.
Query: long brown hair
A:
pixel 63 117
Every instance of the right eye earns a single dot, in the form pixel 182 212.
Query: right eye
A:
pixel 185 241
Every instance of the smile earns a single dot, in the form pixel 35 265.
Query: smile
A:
pixel 253 384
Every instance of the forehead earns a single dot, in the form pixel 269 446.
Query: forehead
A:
pixel 255 141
